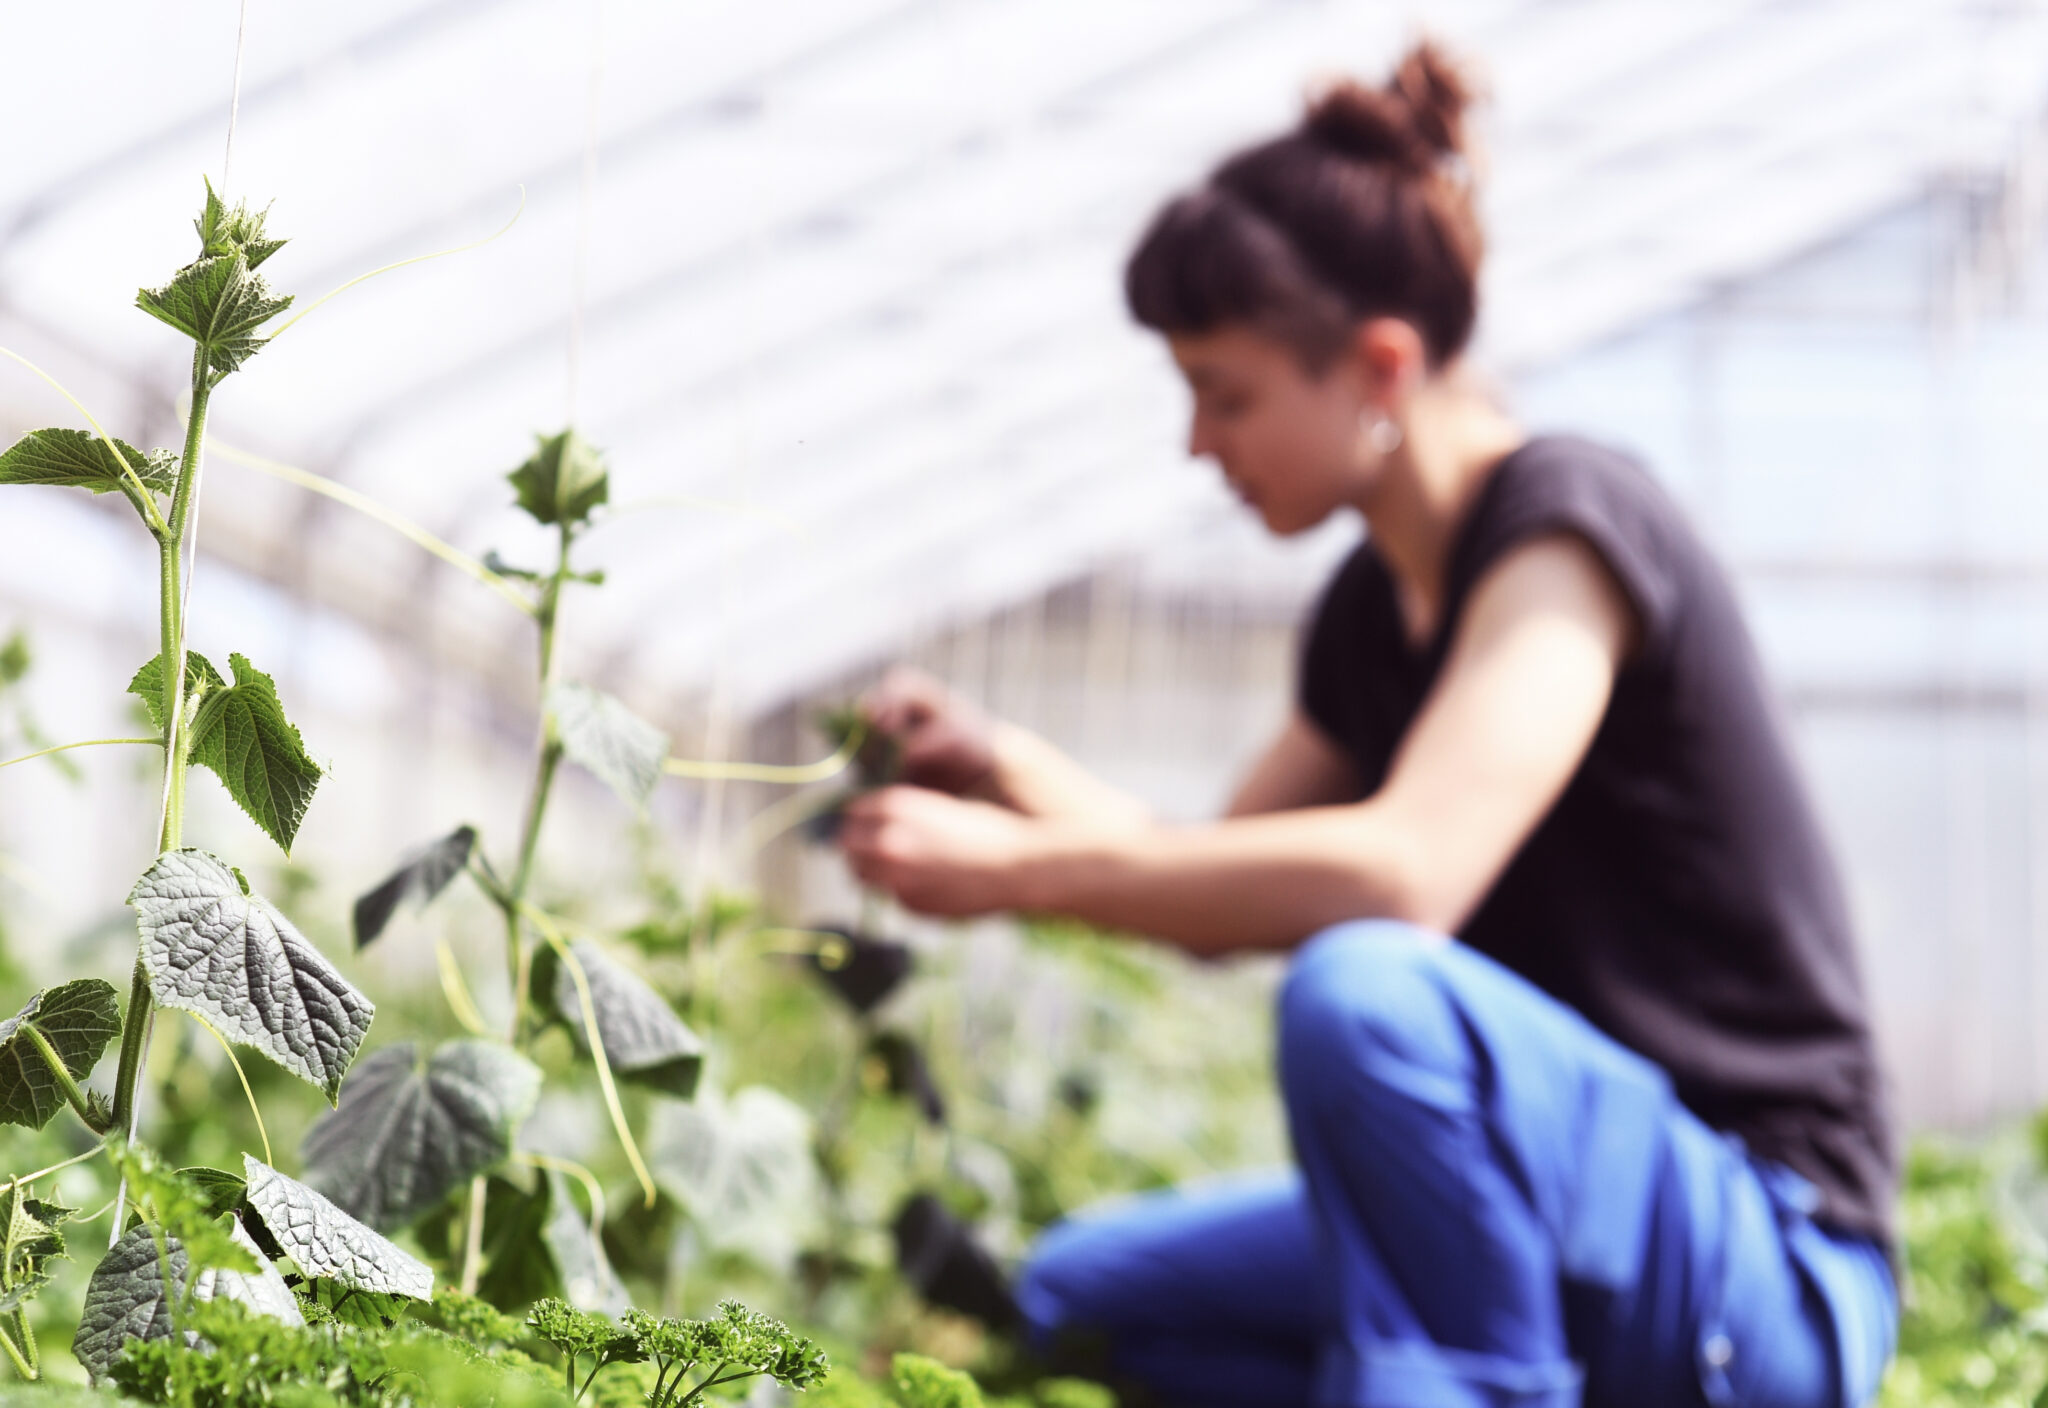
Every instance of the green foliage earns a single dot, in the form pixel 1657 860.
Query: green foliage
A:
pixel 646 1043
pixel 145 1287
pixel 29 1244
pixel 926 1383
pixel 248 1361
pixel 563 481
pixel 1974 1330
pixel 733 1344
pixel 148 684
pixel 326 1243
pixel 53 1042
pixel 602 734
pixel 242 734
pixel 211 947
pixel 80 459
pixel 408 1131
pixel 218 300
pixel 421 877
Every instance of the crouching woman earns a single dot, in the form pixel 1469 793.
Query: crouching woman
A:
pixel 1573 1048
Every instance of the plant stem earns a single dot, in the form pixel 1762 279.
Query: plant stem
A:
pixel 546 613
pixel 21 1365
pixel 513 902
pixel 473 1249
pixel 135 1025
pixel 62 1075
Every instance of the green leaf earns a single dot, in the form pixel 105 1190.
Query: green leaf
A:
pixel 588 1281
pixel 923 1382
pixel 148 684
pixel 219 302
pixel 32 1241
pixel 563 481
pixel 623 749
pixel 125 1299
pixel 743 1169
pixel 644 1040
pixel 78 1019
pixel 408 1132
pixel 233 959
pixel 425 873
pixel 225 231
pixel 243 735
pixel 326 1243
pixel 182 1205
pixel 79 459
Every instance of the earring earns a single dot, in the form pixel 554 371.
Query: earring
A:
pixel 1380 431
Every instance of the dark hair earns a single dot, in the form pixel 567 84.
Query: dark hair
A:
pixel 1365 209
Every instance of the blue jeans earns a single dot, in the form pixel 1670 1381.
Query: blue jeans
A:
pixel 1496 1204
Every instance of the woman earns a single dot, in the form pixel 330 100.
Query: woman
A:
pixel 1622 1140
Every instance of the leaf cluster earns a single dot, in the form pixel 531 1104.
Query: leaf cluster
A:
pixel 72 1022
pixel 218 300
pixel 563 481
pixel 690 1357
pixel 250 1361
pixel 241 734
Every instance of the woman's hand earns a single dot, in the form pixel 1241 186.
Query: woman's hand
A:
pixel 937 854
pixel 948 744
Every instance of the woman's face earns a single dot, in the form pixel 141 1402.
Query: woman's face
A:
pixel 1285 438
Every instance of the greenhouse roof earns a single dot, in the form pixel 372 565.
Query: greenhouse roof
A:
pixel 835 281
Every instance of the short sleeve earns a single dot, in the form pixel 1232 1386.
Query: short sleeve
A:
pixel 1563 485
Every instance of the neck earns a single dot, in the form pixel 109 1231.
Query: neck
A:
pixel 1453 437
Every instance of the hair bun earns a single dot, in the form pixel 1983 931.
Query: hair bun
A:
pixel 1415 121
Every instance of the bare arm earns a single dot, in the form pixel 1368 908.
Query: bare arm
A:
pixel 1518 703
pixel 1301 768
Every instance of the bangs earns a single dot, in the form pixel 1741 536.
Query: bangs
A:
pixel 1208 261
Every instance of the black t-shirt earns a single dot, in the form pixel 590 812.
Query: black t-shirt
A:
pixel 1679 893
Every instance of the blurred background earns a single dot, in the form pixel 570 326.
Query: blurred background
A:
pixel 835 285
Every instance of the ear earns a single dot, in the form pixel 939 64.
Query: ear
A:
pixel 1389 359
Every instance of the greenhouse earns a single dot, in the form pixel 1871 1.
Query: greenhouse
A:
pixel 815 739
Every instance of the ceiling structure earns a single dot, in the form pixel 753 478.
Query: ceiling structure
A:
pixel 835 282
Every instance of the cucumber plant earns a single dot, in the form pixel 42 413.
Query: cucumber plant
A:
pixel 208 944
pixel 415 1128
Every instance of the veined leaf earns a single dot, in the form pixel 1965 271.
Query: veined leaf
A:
pixel 425 873
pixel 78 1019
pixel 218 301
pixel 32 1241
pixel 81 460
pixel 243 735
pixel 563 481
pixel 230 956
pixel 644 1040
pixel 588 1281
pixel 125 1299
pixel 224 231
pixel 148 684
pixel 623 749
pixel 326 1243
pixel 743 1168
pixel 408 1132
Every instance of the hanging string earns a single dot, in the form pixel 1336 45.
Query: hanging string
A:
pixel 227 160
pixel 586 184
pixel 184 609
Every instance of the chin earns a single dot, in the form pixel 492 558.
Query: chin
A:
pixel 1287 523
